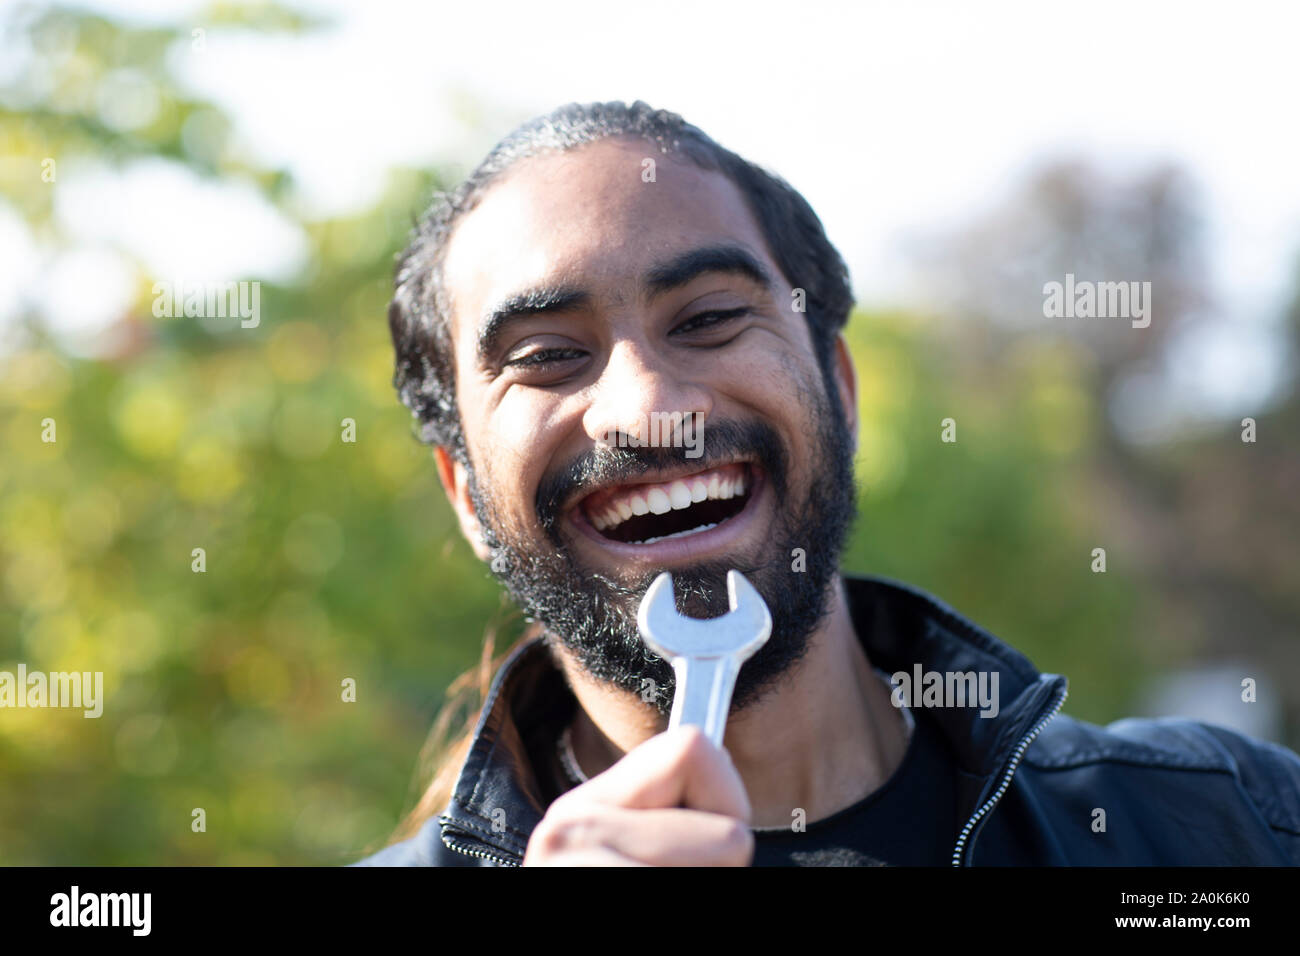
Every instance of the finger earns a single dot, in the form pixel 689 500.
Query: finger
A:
pixel 680 767
pixel 672 837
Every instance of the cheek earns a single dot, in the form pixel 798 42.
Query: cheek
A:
pixel 521 432
pixel 513 429
pixel 516 440
pixel 500 496
pixel 805 378
pixel 787 390
pixel 502 433
pixel 774 378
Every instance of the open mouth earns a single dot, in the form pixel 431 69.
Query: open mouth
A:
pixel 655 511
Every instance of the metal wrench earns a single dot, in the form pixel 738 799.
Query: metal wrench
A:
pixel 706 654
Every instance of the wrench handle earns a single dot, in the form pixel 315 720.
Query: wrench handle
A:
pixel 703 698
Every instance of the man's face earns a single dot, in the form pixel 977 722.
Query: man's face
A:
pixel 587 304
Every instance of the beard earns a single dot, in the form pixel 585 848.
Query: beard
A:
pixel 594 615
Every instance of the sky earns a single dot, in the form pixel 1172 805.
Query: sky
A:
pixel 895 120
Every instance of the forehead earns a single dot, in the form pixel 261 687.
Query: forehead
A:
pixel 587 215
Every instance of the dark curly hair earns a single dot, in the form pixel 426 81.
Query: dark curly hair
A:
pixel 418 315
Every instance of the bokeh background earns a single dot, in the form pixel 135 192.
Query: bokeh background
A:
pixel 960 159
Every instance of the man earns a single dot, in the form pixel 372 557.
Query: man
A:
pixel 609 268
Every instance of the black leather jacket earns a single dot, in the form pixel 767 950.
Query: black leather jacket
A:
pixel 1175 792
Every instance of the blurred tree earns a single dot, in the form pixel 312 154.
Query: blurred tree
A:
pixel 327 560
pixel 1205 523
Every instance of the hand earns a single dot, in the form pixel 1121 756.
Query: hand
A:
pixel 676 800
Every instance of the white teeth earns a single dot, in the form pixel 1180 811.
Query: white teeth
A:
pixel 679 495
pixel 679 534
pixel 676 496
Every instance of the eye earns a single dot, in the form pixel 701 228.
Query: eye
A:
pixel 543 368
pixel 707 320
pixel 544 358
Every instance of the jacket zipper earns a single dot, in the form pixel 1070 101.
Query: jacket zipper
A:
pixel 991 802
pixel 470 851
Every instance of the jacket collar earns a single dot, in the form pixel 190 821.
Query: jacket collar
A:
pixel 498 799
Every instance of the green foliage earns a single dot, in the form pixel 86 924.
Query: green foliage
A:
pixel 998 523
pixel 328 560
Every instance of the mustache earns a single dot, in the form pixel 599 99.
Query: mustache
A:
pixel 724 441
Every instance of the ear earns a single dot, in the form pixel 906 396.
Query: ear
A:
pixel 846 380
pixel 455 482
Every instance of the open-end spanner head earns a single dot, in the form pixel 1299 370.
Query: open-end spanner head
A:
pixel 705 653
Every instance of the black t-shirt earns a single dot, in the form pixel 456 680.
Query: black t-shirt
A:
pixel 911 820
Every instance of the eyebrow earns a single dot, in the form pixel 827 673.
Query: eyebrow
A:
pixel 659 279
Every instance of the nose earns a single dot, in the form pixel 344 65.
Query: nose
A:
pixel 640 400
